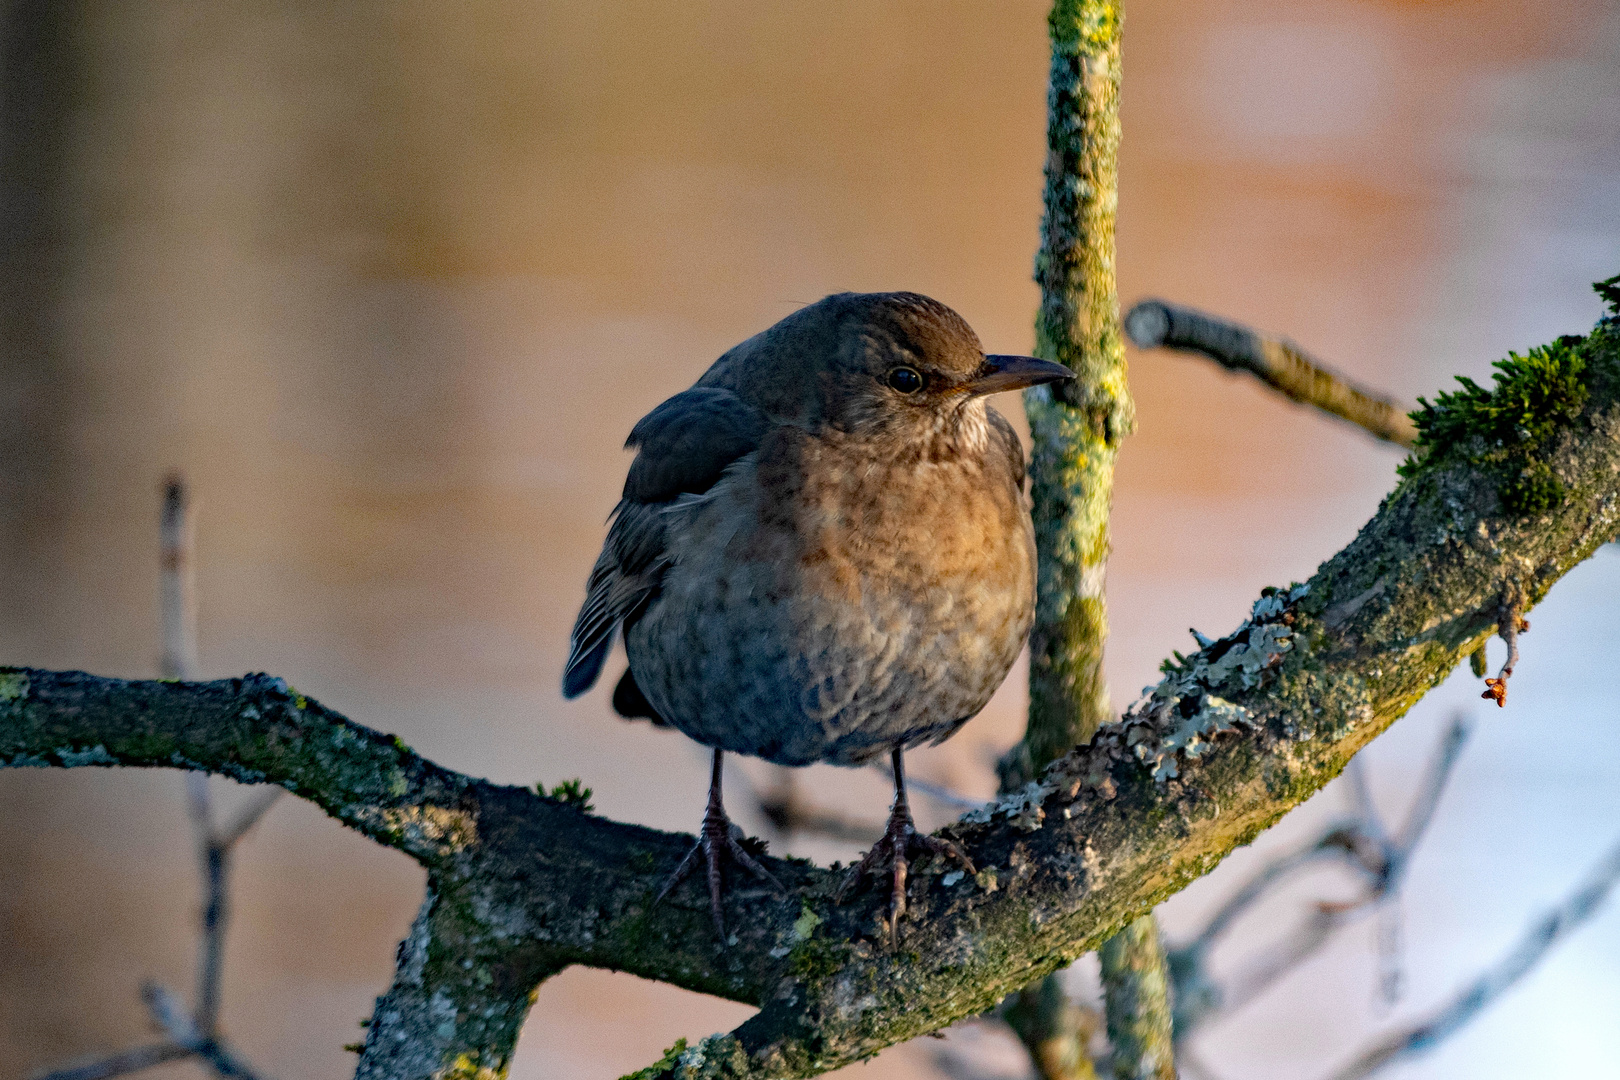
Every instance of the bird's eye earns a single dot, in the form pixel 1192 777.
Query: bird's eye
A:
pixel 905 380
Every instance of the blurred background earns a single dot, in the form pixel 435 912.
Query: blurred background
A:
pixel 390 282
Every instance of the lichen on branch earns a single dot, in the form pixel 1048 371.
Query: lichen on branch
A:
pixel 522 885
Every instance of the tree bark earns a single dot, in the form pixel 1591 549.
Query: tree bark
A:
pixel 1077 428
pixel 1232 738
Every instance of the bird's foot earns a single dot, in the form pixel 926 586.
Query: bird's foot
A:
pixel 718 837
pixel 898 841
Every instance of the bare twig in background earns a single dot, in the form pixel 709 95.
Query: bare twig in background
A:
pixel 119 1064
pixel 1493 982
pixel 951 800
pixel 1365 844
pixel 193 1034
pixel 790 812
pixel 1275 361
pixel 177 604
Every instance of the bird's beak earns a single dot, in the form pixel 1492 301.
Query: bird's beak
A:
pixel 1000 372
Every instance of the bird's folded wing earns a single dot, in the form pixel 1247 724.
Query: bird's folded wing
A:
pixel 683 447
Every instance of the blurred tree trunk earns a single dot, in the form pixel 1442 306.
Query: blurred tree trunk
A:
pixel 1077 429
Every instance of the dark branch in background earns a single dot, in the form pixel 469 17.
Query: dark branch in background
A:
pixel 1363 844
pixel 1277 362
pixel 1469 1002
pixel 194 1034
pixel 789 812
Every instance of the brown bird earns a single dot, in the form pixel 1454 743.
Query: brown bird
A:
pixel 823 553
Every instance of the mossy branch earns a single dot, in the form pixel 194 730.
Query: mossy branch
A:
pixel 1235 736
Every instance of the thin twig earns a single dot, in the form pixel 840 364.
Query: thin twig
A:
pixel 1365 844
pixel 177 597
pixel 248 816
pixel 190 1034
pixel 1275 361
pixel 142 1057
pixel 938 792
pixel 1441 764
pixel 1455 1014
pixel 1509 625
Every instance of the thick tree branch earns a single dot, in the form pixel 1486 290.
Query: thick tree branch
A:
pixel 1234 737
pixel 1275 361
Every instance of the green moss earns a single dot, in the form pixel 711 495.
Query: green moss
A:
pixel 1088 23
pixel 13 684
pixel 814 957
pixel 1506 428
pixel 466 1068
pixel 1609 290
pixel 570 793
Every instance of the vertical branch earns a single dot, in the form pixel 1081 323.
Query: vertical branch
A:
pixel 177 597
pixel 214 858
pixel 1053 1029
pixel 1077 426
pixel 1077 429
pixel 1138 1003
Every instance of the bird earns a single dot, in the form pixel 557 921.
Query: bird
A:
pixel 823 553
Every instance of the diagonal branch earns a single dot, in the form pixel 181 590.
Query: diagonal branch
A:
pixel 1275 361
pixel 1490 984
pixel 1232 738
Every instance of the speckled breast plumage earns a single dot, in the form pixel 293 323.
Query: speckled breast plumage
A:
pixel 830 601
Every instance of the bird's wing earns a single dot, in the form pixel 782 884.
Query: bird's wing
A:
pixel 683 447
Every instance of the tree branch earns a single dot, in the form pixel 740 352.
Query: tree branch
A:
pixel 1455 1014
pixel 1275 361
pixel 1076 430
pixel 1231 739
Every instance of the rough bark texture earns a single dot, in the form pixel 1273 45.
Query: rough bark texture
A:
pixel 1234 737
pixel 1138 1003
pixel 1077 426
pixel 1275 361
pixel 1053 1029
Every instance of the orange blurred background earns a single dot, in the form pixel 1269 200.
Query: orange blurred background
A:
pixel 390 282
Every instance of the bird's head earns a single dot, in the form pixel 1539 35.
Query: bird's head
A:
pixel 886 365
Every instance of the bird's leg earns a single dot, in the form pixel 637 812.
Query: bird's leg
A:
pixel 717 835
pixel 898 839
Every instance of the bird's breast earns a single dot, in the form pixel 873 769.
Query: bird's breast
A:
pixel 827 601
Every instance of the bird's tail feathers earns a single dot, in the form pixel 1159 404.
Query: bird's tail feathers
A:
pixel 585 662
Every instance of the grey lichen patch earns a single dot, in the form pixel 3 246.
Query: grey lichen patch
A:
pixel 1180 718
pixel 96 755
pixel 714 1058
pixel 1022 808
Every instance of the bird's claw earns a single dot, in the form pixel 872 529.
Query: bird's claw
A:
pixel 894 846
pixel 717 837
